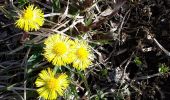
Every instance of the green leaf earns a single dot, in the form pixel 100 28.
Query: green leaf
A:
pixel 22 2
pixel 88 21
pixel 163 68
pixel 137 61
pixel 71 93
pixel 56 5
pixel 34 59
pixel 104 72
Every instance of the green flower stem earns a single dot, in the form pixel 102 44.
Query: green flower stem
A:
pixel 85 83
pixel 83 78
pixel 55 69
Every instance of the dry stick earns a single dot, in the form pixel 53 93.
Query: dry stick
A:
pixel 157 43
pixel 72 25
pixel 66 15
pixel 121 25
pixel 22 47
pixel 161 93
pixel 161 47
pixel 15 50
pixel 74 83
pixel 97 8
pixel 106 18
pixel 63 25
pixel 24 63
pixel 119 32
pixel 124 71
pixel 18 94
pixel 58 32
pixel 135 88
pixel 149 76
pixel 63 16
pixel 59 14
pixel 92 6
pixel 17 88
pixel 43 4
pixel 11 37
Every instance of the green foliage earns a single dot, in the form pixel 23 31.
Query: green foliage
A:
pixel 104 72
pixel 137 61
pixel 22 2
pixel 163 68
pixel 56 5
pixel 35 58
pixel 71 93
pixel 88 21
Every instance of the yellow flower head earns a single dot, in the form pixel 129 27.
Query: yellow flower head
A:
pixel 58 50
pixel 82 55
pixel 49 86
pixel 30 19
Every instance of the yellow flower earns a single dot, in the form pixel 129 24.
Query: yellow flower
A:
pixel 82 55
pixel 30 19
pixel 49 86
pixel 58 50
